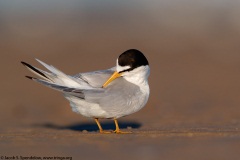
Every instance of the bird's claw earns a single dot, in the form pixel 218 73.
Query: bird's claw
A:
pixel 121 132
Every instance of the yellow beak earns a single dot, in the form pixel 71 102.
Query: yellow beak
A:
pixel 114 76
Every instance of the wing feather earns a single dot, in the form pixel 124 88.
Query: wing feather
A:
pixel 96 78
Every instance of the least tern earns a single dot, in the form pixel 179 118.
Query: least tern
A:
pixel 110 94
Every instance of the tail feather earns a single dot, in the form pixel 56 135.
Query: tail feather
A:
pixel 55 76
pixel 52 69
pixel 29 77
pixel 59 81
pixel 67 90
pixel 36 71
pixel 60 77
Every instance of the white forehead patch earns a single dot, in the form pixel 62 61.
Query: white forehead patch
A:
pixel 121 68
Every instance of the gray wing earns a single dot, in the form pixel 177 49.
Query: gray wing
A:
pixel 117 99
pixel 76 92
pixel 96 78
pixel 117 93
pixel 118 96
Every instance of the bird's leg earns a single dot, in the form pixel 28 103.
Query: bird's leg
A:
pixel 118 130
pixel 100 127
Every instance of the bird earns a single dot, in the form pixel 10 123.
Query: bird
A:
pixel 103 94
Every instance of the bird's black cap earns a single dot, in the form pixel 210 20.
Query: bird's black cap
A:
pixel 133 58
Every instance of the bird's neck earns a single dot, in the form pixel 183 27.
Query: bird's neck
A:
pixel 139 76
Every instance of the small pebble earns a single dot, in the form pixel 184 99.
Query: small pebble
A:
pixel 84 131
pixel 129 127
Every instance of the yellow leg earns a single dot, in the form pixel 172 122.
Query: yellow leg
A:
pixel 118 130
pixel 100 127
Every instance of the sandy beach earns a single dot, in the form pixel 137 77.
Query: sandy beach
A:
pixel 194 54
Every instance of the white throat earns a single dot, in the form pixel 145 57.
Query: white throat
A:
pixel 138 76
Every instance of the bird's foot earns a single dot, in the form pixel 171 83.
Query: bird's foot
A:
pixel 122 132
pixel 105 132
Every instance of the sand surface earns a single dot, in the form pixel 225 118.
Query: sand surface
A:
pixel 194 54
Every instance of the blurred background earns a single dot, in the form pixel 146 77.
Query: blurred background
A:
pixel 192 46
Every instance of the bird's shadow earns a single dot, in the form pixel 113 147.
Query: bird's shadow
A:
pixel 91 126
